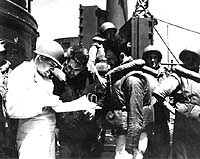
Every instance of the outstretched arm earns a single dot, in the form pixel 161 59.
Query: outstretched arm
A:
pixel 81 103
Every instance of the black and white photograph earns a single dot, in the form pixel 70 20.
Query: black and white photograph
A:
pixel 99 79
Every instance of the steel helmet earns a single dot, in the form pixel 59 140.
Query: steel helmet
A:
pixel 107 25
pixel 149 49
pixel 52 50
pixel 190 50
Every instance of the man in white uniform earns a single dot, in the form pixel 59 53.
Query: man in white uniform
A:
pixel 30 99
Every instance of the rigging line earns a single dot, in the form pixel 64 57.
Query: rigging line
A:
pixel 168 42
pixel 165 44
pixel 179 26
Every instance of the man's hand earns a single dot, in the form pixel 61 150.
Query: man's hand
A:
pixel 138 155
pixel 90 113
pixel 48 109
pixel 102 81
pixel 59 74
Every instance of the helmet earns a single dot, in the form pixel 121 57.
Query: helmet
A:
pixel 52 50
pixel 150 49
pixel 189 50
pixel 107 25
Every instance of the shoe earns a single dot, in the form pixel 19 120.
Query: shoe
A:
pixel 138 155
pixel 123 155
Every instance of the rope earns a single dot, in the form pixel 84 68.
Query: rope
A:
pixel 174 26
pixel 179 26
pixel 165 44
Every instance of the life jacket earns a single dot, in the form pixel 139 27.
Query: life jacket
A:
pixel 183 72
pixel 187 94
pixel 118 75
pixel 116 100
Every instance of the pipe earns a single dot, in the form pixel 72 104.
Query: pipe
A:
pixel 117 12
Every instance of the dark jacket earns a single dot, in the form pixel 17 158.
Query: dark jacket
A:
pixel 71 122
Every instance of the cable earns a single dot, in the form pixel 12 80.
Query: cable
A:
pixel 165 43
pixel 178 26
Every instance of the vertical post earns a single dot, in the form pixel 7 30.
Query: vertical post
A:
pixel 141 35
pixel 88 24
pixel 80 23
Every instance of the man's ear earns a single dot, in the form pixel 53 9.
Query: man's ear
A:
pixel 121 56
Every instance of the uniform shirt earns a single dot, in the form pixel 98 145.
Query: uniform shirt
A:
pixel 96 53
pixel 186 93
pixel 28 92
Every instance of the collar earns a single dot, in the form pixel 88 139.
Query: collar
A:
pixel 127 60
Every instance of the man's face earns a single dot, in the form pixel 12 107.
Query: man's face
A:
pixel 109 34
pixel 191 62
pixel 152 60
pixel 72 68
pixel 112 59
pixel 45 65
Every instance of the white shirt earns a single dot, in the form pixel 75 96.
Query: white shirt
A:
pixel 28 93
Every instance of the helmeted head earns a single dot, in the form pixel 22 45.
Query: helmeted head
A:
pixel 76 61
pixel 108 30
pixel 190 57
pixel 52 50
pixel 50 55
pixel 152 56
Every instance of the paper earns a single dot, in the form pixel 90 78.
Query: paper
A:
pixel 79 104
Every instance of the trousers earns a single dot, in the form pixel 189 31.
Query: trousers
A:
pixel 186 138
pixel 36 137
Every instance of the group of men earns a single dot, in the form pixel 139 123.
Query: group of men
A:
pixel 142 93
pixel 31 97
pixel 135 98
